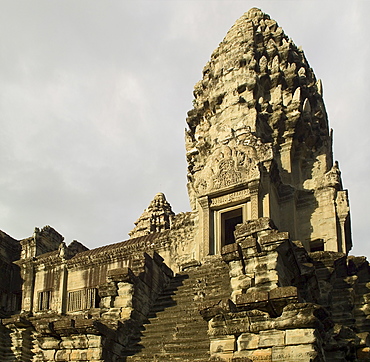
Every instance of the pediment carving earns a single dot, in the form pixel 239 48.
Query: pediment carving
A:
pixel 229 160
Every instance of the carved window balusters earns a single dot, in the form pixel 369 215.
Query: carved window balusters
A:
pixel 44 300
pixel 82 299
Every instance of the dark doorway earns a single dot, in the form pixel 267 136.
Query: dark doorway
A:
pixel 317 245
pixel 229 220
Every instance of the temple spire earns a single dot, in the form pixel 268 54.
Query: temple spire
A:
pixel 258 139
pixel 156 217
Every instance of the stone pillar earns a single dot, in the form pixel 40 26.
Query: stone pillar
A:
pixel 268 202
pixel 286 159
pixel 205 214
pixel 342 206
pixel 266 205
pixel 255 207
pixel 62 308
pixel 342 238
pixel 28 277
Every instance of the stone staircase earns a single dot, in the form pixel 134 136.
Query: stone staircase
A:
pixel 175 330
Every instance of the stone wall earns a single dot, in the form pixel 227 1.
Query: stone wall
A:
pixel 288 304
pixel 98 333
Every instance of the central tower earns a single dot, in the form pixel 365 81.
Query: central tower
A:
pixel 259 145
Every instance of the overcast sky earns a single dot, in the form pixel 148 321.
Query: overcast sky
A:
pixel 94 96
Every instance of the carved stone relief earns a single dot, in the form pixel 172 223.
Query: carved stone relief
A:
pixel 235 158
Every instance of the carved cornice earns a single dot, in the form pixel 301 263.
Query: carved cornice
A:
pixel 236 196
pixel 121 251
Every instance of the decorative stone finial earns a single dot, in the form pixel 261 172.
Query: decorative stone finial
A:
pixel 155 218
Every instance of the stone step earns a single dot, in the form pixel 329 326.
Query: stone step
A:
pixel 176 314
pixel 196 282
pixel 192 301
pixel 162 341
pixel 174 319
pixel 177 305
pixel 166 357
pixel 182 343
pixel 204 271
pixel 216 283
pixel 204 276
pixel 176 324
pixel 175 330
pixel 195 349
pixel 190 351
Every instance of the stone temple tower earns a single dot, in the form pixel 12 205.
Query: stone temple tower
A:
pixel 258 270
pixel 259 144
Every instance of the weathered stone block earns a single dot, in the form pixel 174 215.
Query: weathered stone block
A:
pixel 302 315
pixel 189 264
pixel 221 357
pixel 248 242
pixel 300 336
pixel 210 309
pixel 120 275
pixel 112 313
pixel 79 355
pixel 107 290
pixel 299 353
pixel 267 262
pixel 48 343
pixel 94 341
pixel 94 354
pixel 271 338
pixel 230 248
pixel 273 237
pixel 236 268
pixel 63 355
pixel 258 355
pixel 241 359
pixel 71 342
pixel 253 226
pixel 222 344
pixel 248 341
pixel 283 292
pixel 251 297
pixel 66 343
pixel 126 313
pixel 229 324
pixel 124 298
pixel 250 264
pixel 49 355
pixel 270 278
pixel 241 282
pixel 84 326
pixel 124 289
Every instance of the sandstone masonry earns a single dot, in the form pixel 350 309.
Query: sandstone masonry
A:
pixel 258 270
